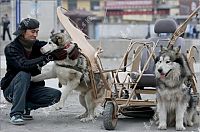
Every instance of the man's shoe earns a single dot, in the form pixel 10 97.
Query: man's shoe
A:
pixel 17 120
pixel 27 116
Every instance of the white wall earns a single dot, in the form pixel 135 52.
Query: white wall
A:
pixel 45 12
pixel 123 31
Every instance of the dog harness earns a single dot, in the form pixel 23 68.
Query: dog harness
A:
pixel 78 67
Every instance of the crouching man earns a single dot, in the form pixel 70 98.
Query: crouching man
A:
pixel 23 60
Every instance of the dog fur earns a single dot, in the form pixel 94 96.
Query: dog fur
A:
pixel 73 79
pixel 175 103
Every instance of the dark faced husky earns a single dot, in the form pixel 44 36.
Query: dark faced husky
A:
pixel 175 103
pixel 73 75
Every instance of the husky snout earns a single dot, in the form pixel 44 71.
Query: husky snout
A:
pixel 48 48
pixel 160 70
pixel 43 50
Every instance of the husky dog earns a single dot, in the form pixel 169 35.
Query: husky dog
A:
pixel 73 75
pixel 175 103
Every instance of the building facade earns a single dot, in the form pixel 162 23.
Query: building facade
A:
pixel 133 11
pixel 89 15
pixel 128 11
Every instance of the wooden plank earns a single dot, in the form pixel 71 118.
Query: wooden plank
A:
pixel 136 102
pixel 146 91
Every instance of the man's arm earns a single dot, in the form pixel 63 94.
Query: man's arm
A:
pixel 18 61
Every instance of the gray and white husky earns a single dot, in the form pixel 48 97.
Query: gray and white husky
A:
pixel 176 105
pixel 73 74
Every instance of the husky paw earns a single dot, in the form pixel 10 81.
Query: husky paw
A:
pixel 180 128
pixel 190 123
pixel 156 122
pixel 87 119
pixel 84 115
pixel 96 115
pixel 59 106
pixel 162 127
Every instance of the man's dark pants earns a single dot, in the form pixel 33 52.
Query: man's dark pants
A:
pixel 23 96
pixel 4 33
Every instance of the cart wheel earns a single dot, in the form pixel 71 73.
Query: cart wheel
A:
pixel 109 119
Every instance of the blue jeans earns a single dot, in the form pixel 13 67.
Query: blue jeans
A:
pixel 24 96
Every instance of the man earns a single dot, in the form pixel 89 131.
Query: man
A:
pixel 6 23
pixel 24 59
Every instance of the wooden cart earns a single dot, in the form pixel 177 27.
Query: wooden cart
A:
pixel 131 81
pixel 126 96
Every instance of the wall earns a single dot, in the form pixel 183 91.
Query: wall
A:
pixel 83 4
pixel 44 11
pixel 122 31
pixel 64 4
pixel 116 48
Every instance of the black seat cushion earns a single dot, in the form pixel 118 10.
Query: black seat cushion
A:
pixel 147 80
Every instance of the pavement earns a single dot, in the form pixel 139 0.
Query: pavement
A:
pixel 50 120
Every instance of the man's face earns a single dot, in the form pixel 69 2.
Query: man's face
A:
pixel 31 34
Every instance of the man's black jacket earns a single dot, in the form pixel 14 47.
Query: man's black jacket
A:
pixel 17 60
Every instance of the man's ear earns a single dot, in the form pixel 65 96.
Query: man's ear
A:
pixel 22 33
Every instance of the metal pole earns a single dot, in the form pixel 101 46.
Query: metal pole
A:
pixel 36 9
pixel 155 4
pixel 0 49
pixel 0 28
pixel 57 20
pixel 18 12
pixel 58 3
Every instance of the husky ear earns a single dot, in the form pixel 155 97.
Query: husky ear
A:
pixel 171 47
pixel 157 59
pixel 178 49
pixel 161 48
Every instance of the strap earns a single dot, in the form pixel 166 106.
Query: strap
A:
pixel 77 67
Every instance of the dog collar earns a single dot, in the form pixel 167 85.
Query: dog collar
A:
pixel 67 45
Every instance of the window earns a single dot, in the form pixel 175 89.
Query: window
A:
pixel 72 5
pixel 4 1
pixel 95 5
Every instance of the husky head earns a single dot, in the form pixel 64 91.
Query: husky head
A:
pixel 56 41
pixel 168 63
pixel 60 39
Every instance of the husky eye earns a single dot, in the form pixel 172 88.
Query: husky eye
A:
pixel 167 61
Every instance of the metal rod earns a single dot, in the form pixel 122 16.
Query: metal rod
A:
pixel 181 29
pixel 150 56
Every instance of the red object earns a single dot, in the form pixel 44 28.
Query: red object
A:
pixel 120 13
pixel 128 4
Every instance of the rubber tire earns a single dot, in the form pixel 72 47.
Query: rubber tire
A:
pixel 109 120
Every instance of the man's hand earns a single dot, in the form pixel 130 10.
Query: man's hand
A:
pixel 59 54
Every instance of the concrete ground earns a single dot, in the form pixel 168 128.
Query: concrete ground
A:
pixel 50 120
